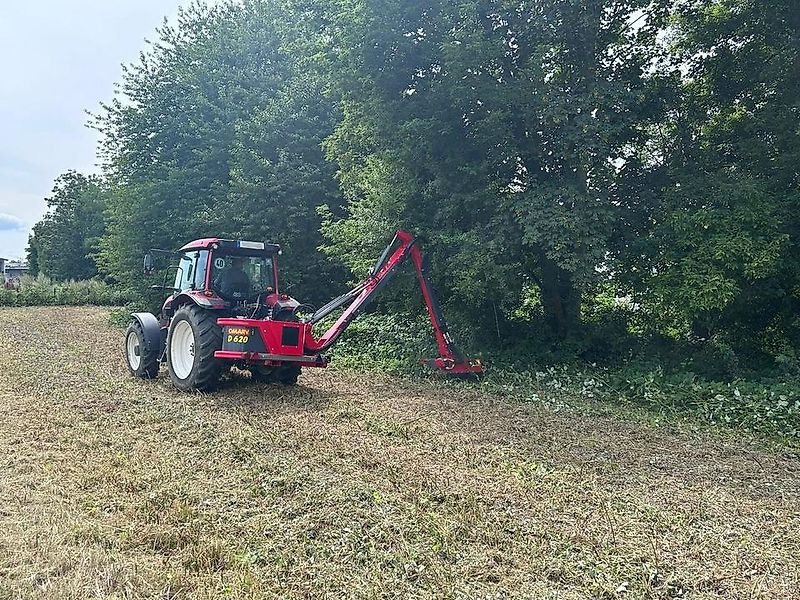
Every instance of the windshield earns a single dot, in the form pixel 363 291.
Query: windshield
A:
pixel 238 277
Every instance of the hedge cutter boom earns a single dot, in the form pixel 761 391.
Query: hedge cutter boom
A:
pixel 402 248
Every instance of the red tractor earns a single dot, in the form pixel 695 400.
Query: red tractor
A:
pixel 227 310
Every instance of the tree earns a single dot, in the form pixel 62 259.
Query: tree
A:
pixel 32 252
pixel 492 128
pixel 722 254
pixel 64 243
pixel 217 132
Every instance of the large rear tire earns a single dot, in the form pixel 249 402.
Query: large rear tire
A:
pixel 142 358
pixel 193 338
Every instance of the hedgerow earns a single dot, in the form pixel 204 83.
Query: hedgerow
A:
pixel 767 406
pixel 43 291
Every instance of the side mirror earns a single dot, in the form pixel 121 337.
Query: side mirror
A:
pixel 149 264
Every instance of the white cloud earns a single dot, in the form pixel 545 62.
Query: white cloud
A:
pixel 10 223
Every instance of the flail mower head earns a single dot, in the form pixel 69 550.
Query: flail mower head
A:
pixel 467 368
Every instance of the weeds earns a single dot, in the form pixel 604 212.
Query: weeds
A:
pixel 770 407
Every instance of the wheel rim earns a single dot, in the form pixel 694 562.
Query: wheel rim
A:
pixel 134 351
pixel 181 350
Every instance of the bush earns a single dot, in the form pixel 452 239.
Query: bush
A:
pixel 43 291
pixel 764 407
pixel 396 342
pixel 389 342
pixel 758 406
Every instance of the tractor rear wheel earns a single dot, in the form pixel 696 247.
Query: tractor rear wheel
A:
pixel 193 338
pixel 141 357
pixel 286 375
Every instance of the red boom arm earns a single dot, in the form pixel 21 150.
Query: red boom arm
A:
pixel 402 248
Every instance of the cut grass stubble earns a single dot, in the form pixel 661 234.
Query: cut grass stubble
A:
pixel 360 486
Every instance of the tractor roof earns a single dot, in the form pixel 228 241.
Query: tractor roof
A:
pixel 240 245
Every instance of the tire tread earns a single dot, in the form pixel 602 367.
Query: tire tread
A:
pixel 206 374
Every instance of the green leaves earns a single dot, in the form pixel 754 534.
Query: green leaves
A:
pixel 217 132
pixel 503 120
pixel 65 243
pixel 724 235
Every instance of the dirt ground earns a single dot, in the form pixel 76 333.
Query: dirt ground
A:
pixel 360 486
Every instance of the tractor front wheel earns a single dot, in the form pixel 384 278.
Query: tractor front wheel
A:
pixel 288 374
pixel 193 338
pixel 141 356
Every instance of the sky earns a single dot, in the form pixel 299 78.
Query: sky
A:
pixel 58 59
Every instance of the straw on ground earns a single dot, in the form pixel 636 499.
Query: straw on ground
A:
pixel 360 485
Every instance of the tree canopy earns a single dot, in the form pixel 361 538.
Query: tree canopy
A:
pixel 217 132
pixel 65 243
pixel 562 160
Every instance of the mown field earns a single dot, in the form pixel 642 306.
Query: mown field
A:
pixel 361 486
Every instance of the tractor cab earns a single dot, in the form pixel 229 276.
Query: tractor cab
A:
pixel 222 274
pixel 236 271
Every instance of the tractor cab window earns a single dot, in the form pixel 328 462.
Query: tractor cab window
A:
pixel 191 273
pixel 238 277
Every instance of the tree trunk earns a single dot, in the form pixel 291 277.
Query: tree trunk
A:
pixel 561 299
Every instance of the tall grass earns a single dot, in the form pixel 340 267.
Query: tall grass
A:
pixel 43 291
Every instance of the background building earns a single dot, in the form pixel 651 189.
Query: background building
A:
pixel 13 270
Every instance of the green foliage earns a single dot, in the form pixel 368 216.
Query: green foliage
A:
pixel 120 316
pixel 490 129
pixel 65 242
pixel 216 132
pixel 389 342
pixel 44 291
pixel 396 342
pixel 769 407
pixel 720 261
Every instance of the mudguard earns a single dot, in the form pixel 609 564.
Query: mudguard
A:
pixel 154 337
pixel 200 299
